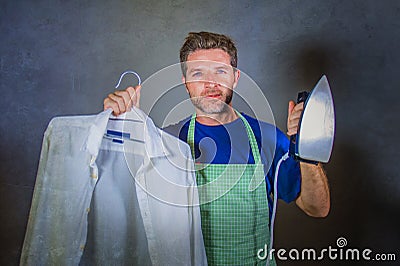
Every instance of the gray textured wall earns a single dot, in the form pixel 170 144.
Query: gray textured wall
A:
pixel 63 57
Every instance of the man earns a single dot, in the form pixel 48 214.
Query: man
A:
pixel 228 145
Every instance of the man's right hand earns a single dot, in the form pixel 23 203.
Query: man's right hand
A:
pixel 122 101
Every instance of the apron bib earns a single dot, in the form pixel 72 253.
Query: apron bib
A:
pixel 234 216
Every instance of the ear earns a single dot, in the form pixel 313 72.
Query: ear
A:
pixel 237 76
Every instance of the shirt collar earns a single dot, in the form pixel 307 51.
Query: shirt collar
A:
pixel 151 134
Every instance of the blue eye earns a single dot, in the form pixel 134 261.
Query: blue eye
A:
pixel 197 74
pixel 221 71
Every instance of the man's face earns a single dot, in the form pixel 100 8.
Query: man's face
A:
pixel 210 80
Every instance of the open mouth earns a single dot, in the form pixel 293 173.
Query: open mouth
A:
pixel 213 96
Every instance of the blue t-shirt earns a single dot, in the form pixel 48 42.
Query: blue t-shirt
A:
pixel 229 143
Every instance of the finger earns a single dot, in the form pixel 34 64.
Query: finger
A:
pixel 291 107
pixel 294 119
pixel 134 94
pixel 294 114
pixel 298 107
pixel 119 100
pixel 292 127
pixel 295 111
pixel 292 131
pixel 138 88
pixel 110 104
pixel 293 123
pixel 125 99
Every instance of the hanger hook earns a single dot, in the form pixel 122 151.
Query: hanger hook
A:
pixel 128 72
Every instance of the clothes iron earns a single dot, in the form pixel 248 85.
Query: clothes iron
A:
pixel 313 142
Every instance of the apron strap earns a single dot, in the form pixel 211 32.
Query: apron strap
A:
pixel 190 135
pixel 252 139
pixel 250 135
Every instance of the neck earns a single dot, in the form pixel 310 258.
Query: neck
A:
pixel 224 117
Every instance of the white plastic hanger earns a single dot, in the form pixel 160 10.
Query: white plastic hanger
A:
pixel 116 131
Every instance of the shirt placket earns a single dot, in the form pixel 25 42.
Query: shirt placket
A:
pixel 143 199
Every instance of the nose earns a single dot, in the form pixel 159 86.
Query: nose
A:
pixel 211 80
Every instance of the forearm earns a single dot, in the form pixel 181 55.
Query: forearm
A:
pixel 314 198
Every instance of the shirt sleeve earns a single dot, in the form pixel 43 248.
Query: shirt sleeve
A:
pixel 289 176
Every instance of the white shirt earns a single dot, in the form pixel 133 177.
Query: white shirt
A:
pixel 113 200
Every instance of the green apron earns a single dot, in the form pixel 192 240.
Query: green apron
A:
pixel 234 213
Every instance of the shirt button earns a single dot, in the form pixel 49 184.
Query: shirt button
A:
pixel 94 176
pixel 88 210
pixel 82 247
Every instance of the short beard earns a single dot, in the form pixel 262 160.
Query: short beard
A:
pixel 212 106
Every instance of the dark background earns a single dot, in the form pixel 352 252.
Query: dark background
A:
pixel 64 57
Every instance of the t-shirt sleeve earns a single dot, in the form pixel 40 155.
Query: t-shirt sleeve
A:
pixel 289 176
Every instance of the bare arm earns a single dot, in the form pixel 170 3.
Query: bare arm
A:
pixel 314 198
